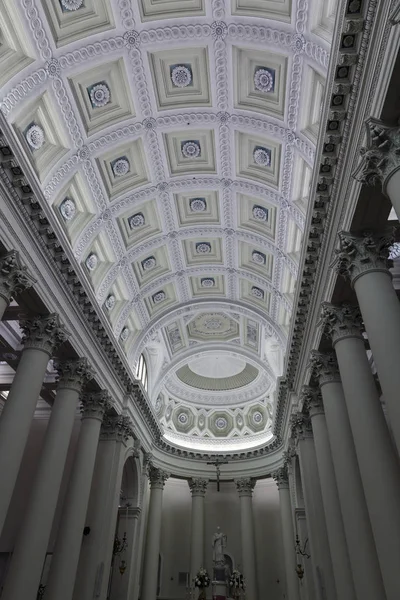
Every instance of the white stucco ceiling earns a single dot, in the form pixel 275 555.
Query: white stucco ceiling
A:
pixel 174 141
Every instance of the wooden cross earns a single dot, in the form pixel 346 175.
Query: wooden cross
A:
pixel 217 464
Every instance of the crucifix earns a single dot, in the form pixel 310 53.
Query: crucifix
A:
pixel 217 463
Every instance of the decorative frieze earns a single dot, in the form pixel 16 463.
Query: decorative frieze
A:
pixel 95 405
pixel 312 400
pixel 43 333
pixel 14 277
pixel 359 254
pixel 157 477
pixel 116 428
pixel 198 487
pixel 245 486
pixel 324 367
pixel 73 374
pixel 281 477
pixel 342 321
pixel 380 157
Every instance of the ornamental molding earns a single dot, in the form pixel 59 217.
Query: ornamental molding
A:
pixel 157 477
pixel 245 486
pixel 341 322
pixel 73 374
pixel 381 155
pixel 358 255
pixel 198 487
pixel 43 333
pixel 281 477
pixel 324 367
pixel 14 277
pixel 311 400
pixel 95 405
pixel 116 428
pixel 326 182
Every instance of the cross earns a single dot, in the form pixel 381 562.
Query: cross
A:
pixel 217 464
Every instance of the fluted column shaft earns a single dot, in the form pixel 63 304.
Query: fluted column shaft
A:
pixel 152 547
pixel 14 279
pixel 95 557
pixel 319 544
pixel 364 261
pixel 292 581
pixel 245 488
pixel 64 565
pixel 26 565
pixel 330 496
pixel 41 337
pixel 198 488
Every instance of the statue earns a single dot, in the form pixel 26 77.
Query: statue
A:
pixel 219 545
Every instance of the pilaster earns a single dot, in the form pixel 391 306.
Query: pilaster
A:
pixel 367 253
pixel 14 277
pixel 44 333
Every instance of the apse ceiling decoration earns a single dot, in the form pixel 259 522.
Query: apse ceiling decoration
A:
pixel 173 142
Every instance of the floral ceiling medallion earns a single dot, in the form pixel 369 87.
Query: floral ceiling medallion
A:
pixel 91 261
pixel 35 136
pixel 110 302
pixel 257 293
pixel 262 156
pixel 198 204
pixel 263 81
pixel 258 257
pixel 159 297
pixel 99 95
pixel 124 334
pixel 149 263
pixel 181 76
pixel 68 209
pixel 203 248
pixel 260 213
pixel 191 149
pixel 137 220
pixel 71 5
pixel 207 282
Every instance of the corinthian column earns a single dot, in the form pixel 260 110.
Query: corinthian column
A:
pixel 69 538
pixel 292 581
pixel 42 336
pixel 96 552
pixel 319 544
pixel 334 523
pixel 14 279
pixel 376 457
pixel 245 488
pixel 198 488
pixel 380 163
pixel 157 479
pixel 364 260
pixel 26 565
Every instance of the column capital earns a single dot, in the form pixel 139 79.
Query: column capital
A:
pixel 95 405
pixel 198 487
pixel 380 156
pixel 312 400
pixel 342 321
pixel 360 254
pixel 157 477
pixel 14 277
pixel 73 374
pixel 44 333
pixel 324 367
pixel 301 427
pixel 281 477
pixel 117 428
pixel 245 486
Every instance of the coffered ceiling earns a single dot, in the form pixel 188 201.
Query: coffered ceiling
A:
pixel 173 142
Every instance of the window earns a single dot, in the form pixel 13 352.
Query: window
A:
pixel 141 372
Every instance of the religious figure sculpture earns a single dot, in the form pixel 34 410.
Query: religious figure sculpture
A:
pixel 219 545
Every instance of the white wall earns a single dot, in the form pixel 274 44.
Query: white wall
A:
pixel 223 509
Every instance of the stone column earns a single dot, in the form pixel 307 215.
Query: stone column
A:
pixel 364 260
pixel 330 497
pixel 380 163
pixel 157 479
pixel 14 279
pixel 319 544
pixel 362 552
pixel 376 456
pixel 29 553
pixel 198 488
pixel 64 564
pixel 292 581
pixel 95 556
pixel 245 488
pixel 42 335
